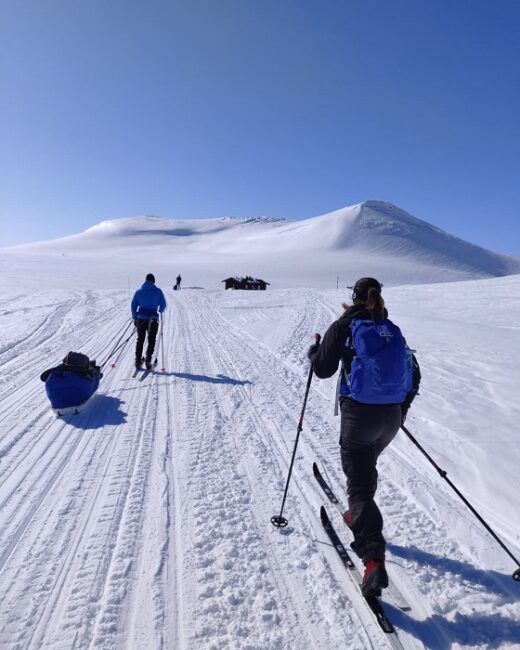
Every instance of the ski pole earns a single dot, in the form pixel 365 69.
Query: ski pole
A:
pixel 158 339
pixel 277 520
pixel 116 346
pixel 163 369
pixel 121 349
pixel 444 474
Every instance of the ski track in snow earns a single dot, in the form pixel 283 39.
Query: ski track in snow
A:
pixel 144 521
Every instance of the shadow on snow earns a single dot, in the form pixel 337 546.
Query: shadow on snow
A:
pixel 103 411
pixel 219 379
pixel 476 628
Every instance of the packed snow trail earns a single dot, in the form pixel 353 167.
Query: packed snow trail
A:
pixel 145 520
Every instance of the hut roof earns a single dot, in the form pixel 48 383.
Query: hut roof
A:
pixel 248 278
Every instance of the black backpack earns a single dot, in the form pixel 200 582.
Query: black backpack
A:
pixel 78 360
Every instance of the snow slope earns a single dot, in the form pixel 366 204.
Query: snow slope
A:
pixel 144 522
pixel 371 238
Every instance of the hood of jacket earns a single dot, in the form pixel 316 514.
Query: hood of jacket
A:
pixel 148 286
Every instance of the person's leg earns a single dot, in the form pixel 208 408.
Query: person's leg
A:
pixel 359 465
pixel 365 431
pixel 142 326
pixel 391 426
pixel 153 328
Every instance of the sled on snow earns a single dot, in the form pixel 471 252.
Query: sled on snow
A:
pixel 72 410
pixel 71 385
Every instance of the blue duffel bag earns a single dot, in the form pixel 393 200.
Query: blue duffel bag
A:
pixel 73 382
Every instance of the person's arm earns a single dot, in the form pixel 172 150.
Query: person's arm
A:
pixel 326 357
pixel 416 382
pixel 134 306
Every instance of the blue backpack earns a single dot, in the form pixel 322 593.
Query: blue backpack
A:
pixel 381 370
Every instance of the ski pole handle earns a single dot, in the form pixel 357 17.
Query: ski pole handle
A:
pixel 314 347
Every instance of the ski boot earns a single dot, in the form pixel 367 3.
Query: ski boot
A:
pixel 375 578
pixel 347 518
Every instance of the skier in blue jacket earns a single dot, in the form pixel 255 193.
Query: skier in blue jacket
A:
pixel 148 302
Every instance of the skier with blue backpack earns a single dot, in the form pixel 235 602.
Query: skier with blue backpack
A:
pixel 379 380
pixel 148 302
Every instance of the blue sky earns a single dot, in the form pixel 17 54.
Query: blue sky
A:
pixel 292 108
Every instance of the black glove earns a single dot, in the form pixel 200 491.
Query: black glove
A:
pixel 404 412
pixel 312 350
pixel 135 322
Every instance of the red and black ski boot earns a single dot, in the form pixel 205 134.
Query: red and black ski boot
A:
pixel 375 578
pixel 347 518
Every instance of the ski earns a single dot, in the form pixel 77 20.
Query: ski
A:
pixel 337 543
pixel 324 485
pixel 147 371
pixel 393 591
pixel 372 601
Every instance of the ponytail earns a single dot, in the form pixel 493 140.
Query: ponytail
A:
pixel 367 292
pixel 375 304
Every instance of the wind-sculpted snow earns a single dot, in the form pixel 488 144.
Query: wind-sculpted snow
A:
pixel 372 238
pixel 144 521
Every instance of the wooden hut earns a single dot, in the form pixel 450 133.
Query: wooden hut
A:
pixel 248 283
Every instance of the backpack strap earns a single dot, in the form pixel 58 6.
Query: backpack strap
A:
pixel 343 374
pixel 338 385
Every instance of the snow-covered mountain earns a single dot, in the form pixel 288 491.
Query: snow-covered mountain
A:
pixel 370 238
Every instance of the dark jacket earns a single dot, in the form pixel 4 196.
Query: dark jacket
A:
pixel 332 349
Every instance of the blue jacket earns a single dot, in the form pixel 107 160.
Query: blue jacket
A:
pixel 146 301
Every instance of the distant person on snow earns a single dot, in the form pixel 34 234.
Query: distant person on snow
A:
pixel 379 380
pixel 178 283
pixel 147 303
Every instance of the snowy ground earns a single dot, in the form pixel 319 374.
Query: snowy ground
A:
pixel 144 521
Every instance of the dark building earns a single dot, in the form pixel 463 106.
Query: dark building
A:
pixel 247 283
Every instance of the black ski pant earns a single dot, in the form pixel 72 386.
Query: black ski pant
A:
pixel 366 429
pixel 143 327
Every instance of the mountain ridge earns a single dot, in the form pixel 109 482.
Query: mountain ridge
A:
pixel 369 238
